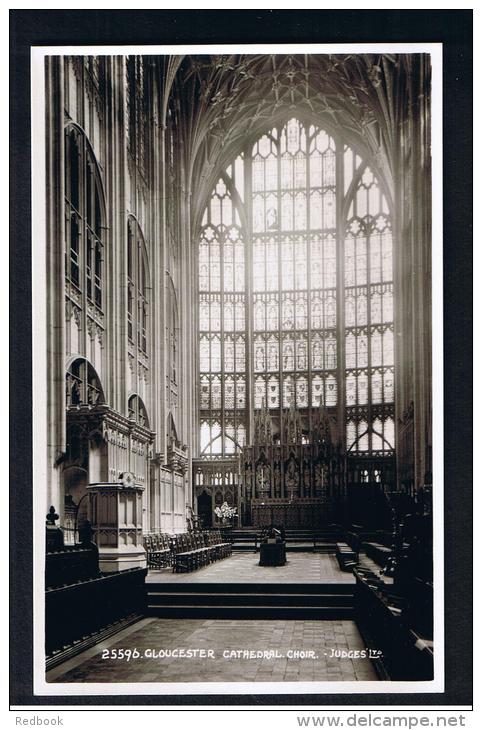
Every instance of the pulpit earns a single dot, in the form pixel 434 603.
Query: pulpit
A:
pixel 115 511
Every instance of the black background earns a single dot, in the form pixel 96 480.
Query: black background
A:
pixel 453 28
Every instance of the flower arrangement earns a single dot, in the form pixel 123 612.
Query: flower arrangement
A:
pixel 225 511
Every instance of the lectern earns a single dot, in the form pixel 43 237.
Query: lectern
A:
pixel 272 550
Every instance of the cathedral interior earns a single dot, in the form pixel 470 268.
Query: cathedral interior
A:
pixel 239 357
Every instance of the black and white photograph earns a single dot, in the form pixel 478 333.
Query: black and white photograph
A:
pixel 238 359
pixel 238 402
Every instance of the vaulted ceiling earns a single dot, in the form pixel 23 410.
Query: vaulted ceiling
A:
pixel 221 102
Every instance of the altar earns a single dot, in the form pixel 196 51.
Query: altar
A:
pixel 304 512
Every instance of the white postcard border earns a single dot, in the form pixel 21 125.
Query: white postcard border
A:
pixel 39 422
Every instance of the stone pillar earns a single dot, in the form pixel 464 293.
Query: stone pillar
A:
pixel 115 512
pixel 54 327
pixel 412 283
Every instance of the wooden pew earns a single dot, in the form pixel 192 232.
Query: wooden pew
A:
pixel 377 552
pixel 347 557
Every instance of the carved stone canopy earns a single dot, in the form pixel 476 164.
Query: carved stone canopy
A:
pixel 101 423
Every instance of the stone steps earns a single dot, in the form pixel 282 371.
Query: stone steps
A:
pixel 286 601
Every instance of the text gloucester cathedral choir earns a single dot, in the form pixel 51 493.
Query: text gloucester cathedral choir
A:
pixel 238 284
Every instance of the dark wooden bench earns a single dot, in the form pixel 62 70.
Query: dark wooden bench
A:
pixel 347 557
pixel 377 552
pixel 404 654
pixel 71 564
pixel 353 540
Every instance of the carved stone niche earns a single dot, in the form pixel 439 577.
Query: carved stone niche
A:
pixel 115 512
pixel 177 456
pixel 406 419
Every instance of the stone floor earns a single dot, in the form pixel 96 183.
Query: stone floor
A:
pixel 316 639
pixel 244 568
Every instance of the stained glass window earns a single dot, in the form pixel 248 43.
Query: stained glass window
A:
pixel 310 280
pixel 369 356
pixel 222 321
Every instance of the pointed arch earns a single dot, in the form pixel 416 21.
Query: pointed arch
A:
pixel 85 211
pixel 311 215
pixel 83 384
pixel 137 410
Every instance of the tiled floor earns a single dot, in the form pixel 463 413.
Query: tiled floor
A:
pixel 245 568
pixel 316 639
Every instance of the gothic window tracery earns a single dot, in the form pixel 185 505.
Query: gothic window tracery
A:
pixel 84 224
pixel 315 287
pixel 137 101
pixel 222 325
pixel 83 386
pixel 137 411
pixel 369 359
pixel 137 286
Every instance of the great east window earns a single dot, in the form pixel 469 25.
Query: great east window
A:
pixel 296 292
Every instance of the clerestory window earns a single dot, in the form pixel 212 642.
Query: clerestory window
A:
pixel 84 226
pixel 137 286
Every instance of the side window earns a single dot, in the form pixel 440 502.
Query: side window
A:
pixel 84 225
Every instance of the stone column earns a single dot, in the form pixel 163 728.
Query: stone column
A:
pixel 412 284
pixel 55 279
pixel 189 380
